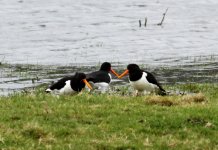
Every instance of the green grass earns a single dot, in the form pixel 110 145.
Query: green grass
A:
pixel 91 121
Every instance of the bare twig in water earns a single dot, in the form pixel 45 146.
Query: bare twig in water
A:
pixel 140 24
pixel 146 21
pixel 159 24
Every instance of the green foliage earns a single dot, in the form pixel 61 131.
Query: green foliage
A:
pixel 36 120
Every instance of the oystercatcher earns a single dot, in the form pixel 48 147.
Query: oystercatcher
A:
pixel 102 78
pixel 70 84
pixel 142 81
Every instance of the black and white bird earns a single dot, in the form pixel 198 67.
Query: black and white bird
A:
pixel 142 81
pixel 69 84
pixel 101 79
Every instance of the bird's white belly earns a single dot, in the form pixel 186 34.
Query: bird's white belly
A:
pixel 101 86
pixel 143 85
pixel 67 88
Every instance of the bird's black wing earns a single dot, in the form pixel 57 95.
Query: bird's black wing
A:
pixel 150 77
pixel 60 83
pixel 98 76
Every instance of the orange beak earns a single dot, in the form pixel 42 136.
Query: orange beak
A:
pixel 114 72
pixel 87 84
pixel 123 74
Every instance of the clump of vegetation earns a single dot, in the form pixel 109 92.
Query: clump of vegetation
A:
pixel 36 120
pixel 194 98
pixel 176 100
pixel 160 100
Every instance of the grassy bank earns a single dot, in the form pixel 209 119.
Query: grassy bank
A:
pixel 90 121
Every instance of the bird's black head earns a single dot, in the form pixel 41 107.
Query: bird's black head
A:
pixel 135 73
pixel 133 68
pixel 80 76
pixel 106 66
pixel 80 82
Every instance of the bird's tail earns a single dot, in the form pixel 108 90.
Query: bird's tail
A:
pixel 162 92
pixel 48 90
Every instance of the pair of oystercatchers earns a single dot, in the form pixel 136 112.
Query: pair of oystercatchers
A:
pixel 72 84
pixel 142 81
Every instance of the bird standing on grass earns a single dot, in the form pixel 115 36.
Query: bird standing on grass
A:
pixel 142 81
pixel 70 84
pixel 101 79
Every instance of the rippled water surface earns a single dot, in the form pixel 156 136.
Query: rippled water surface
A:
pixel 77 31
pixel 84 33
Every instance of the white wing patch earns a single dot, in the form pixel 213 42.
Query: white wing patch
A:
pixel 110 76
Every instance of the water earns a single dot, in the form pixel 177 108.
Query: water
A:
pixel 84 33
pixel 20 77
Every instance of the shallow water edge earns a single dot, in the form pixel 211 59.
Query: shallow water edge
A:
pixel 17 77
